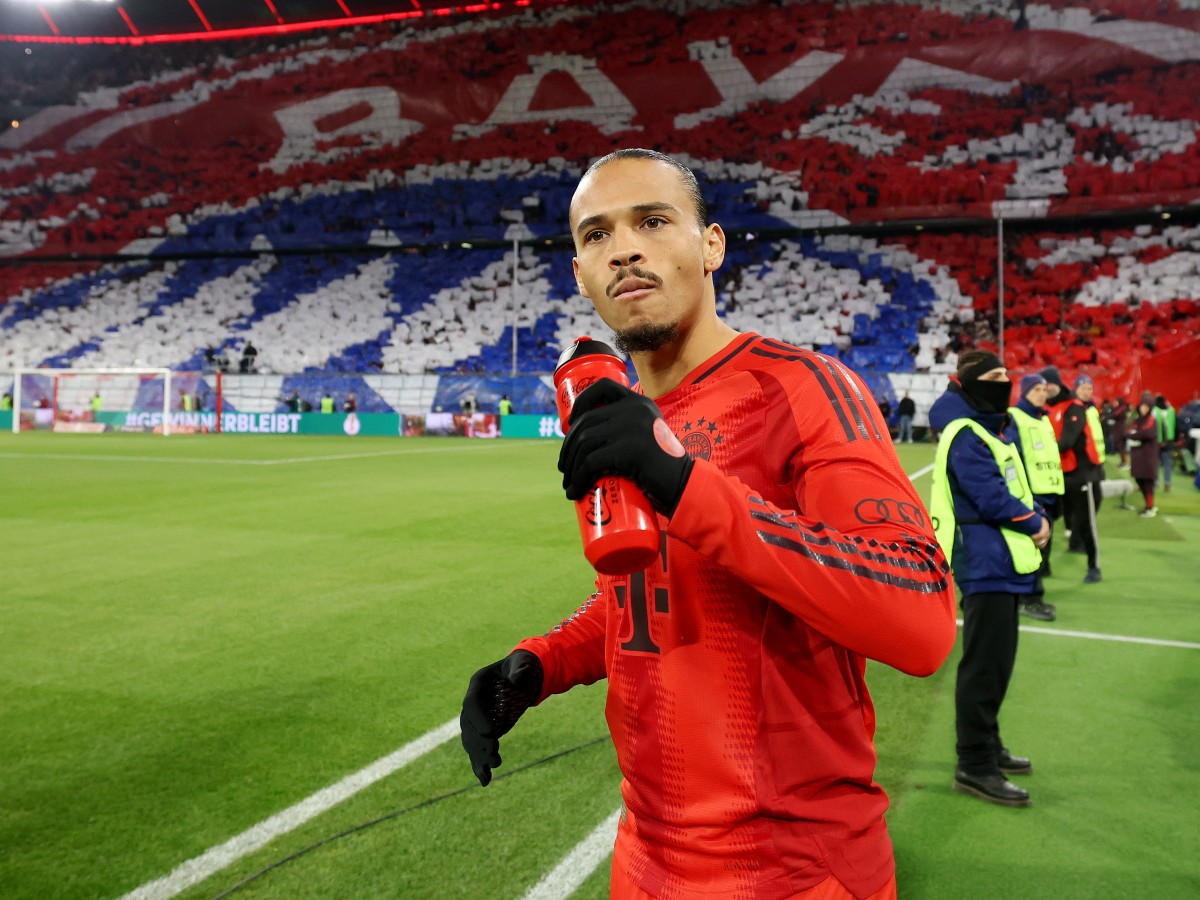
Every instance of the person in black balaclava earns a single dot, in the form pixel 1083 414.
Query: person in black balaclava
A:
pixel 991 529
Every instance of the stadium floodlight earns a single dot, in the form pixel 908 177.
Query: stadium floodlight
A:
pixel 60 399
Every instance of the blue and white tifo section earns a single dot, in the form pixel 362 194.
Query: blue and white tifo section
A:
pixel 412 294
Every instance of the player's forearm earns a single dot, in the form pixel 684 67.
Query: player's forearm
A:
pixel 888 598
pixel 573 651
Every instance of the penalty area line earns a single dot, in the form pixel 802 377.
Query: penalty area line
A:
pixel 210 862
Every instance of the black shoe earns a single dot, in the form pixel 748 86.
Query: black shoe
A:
pixel 992 788
pixel 1013 765
pixel 1092 576
pixel 1037 611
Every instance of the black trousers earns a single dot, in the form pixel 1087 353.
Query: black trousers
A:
pixel 1054 511
pixel 988 655
pixel 1081 503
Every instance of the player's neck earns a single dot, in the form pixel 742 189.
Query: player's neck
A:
pixel 661 371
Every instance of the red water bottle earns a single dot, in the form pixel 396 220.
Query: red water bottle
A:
pixel 617 523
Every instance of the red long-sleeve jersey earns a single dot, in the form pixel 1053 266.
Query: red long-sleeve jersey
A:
pixel 735 664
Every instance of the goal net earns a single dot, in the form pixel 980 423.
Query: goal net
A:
pixel 97 400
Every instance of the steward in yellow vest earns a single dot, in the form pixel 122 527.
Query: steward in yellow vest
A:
pixel 1030 430
pixel 991 530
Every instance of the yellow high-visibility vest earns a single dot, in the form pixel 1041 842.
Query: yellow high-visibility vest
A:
pixel 1040 449
pixel 1026 557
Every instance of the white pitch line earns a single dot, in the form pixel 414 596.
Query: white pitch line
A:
pixel 1120 638
pixel 574 868
pixel 1098 636
pixel 212 861
pixel 411 451
pixel 913 476
pixel 97 457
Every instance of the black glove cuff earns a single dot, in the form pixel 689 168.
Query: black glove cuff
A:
pixel 668 505
pixel 517 685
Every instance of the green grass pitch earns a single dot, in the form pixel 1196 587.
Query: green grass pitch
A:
pixel 198 632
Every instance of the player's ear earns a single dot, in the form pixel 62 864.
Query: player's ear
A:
pixel 579 285
pixel 714 247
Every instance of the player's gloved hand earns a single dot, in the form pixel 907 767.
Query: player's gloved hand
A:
pixel 496 697
pixel 615 431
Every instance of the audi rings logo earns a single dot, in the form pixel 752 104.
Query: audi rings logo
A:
pixel 873 511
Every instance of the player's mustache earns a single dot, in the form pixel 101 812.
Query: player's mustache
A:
pixel 631 272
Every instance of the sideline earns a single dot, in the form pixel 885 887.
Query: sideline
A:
pixel 96 457
pixel 1119 638
pixel 913 476
pixel 1098 636
pixel 210 862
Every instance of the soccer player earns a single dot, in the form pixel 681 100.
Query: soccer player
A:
pixel 795 548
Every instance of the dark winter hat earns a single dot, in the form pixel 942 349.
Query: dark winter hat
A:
pixel 975 363
pixel 1050 373
pixel 1083 379
pixel 1029 382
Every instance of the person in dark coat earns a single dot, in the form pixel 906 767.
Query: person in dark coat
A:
pixel 1144 452
pixel 1116 425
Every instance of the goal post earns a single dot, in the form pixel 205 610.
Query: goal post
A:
pixel 71 399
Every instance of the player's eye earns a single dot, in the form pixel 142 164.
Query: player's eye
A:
pixel 654 222
pixel 593 236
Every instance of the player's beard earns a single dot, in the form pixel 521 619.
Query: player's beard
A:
pixel 647 338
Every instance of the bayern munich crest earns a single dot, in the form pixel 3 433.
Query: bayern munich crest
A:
pixel 699 438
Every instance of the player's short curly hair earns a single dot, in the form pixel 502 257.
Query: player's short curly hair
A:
pixel 691 185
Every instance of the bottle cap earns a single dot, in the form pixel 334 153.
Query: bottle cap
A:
pixel 585 346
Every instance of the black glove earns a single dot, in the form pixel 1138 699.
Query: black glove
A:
pixel 615 431
pixel 496 697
